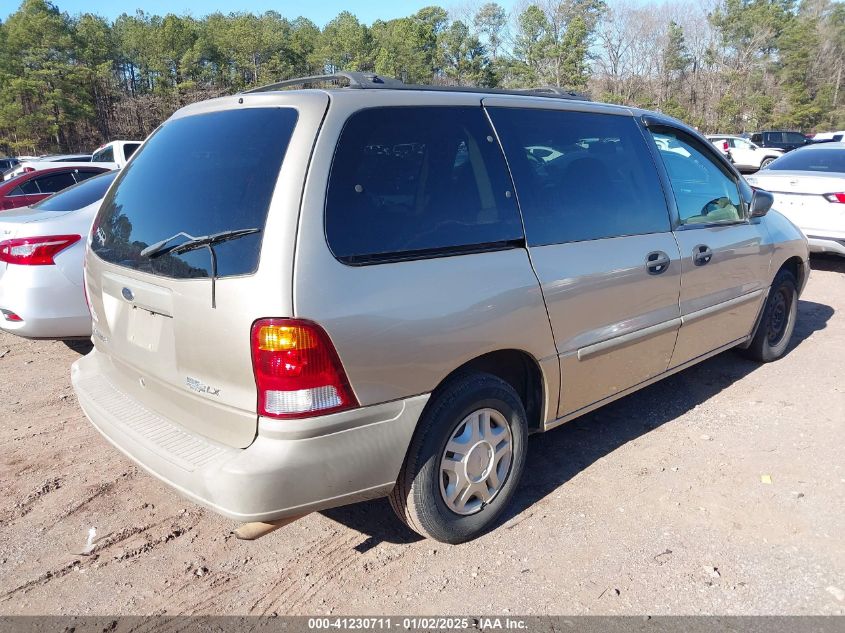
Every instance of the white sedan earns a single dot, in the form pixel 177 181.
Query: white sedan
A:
pixel 41 252
pixel 809 188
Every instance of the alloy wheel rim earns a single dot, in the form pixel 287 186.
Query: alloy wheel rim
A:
pixel 476 461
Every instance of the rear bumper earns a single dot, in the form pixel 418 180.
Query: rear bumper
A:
pixel 49 304
pixel 835 245
pixel 292 467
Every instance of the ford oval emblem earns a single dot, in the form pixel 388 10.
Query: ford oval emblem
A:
pixel 128 294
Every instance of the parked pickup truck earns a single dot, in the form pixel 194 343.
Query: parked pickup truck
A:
pixel 111 156
pixel 117 152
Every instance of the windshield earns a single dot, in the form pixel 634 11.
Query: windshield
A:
pixel 821 159
pixel 199 175
pixel 78 196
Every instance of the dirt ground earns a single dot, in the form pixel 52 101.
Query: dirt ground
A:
pixel 658 503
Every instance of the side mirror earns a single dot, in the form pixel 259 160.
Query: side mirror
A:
pixel 761 202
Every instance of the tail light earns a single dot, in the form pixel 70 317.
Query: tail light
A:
pixel 725 146
pixel 26 170
pixel 835 197
pixel 11 316
pixel 297 370
pixel 35 251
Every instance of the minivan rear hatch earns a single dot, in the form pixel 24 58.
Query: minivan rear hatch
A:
pixel 192 244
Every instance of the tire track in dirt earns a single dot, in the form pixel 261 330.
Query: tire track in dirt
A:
pixel 102 547
pixel 335 552
pixel 147 547
pixel 210 596
pixel 25 507
pixel 322 581
pixel 293 584
pixel 43 579
pixel 105 543
pixel 100 490
pixel 175 529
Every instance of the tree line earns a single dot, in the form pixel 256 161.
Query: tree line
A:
pixel 69 83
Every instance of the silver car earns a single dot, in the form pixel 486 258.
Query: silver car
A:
pixel 307 298
pixel 41 253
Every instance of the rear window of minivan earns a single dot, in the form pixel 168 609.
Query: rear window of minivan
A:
pixel 197 175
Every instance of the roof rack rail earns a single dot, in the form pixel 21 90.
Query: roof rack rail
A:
pixel 555 91
pixel 355 79
pixel 370 81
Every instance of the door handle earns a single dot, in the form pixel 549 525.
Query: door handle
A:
pixel 701 255
pixel 657 262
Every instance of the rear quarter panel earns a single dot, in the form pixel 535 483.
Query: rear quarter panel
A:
pixel 401 328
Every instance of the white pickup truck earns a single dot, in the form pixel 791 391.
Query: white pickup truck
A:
pixel 116 152
pixel 111 155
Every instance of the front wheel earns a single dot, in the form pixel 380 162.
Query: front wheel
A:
pixel 465 460
pixel 778 321
pixel 766 162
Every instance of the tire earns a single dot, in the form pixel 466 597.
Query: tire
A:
pixel 430 472
pixel 766 162
pixel 778 321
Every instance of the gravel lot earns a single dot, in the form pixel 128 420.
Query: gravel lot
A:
pixel 654 504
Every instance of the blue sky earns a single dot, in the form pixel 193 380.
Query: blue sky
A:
pixel 318 11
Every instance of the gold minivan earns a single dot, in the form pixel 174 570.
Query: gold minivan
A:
pixel 304 298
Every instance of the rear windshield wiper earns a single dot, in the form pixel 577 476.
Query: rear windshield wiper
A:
pixel 192 243
pixel 162 248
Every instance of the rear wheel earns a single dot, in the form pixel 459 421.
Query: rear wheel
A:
pixel 465 460
pixel 778 321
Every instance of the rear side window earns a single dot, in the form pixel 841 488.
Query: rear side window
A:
pixel 78 196
pixel 794 138
pixel 129 149
pixel 28 188
pixel 55 182
pixel 415 181
pixel 198 175
pixel 595 179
